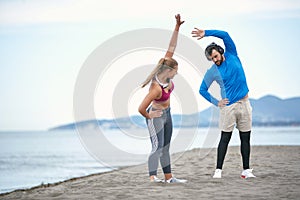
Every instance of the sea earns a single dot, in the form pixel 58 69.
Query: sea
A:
pixel 32 158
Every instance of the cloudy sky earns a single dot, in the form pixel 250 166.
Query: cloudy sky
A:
pixel 44 44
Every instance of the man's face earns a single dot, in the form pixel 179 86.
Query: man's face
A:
pixel 216 57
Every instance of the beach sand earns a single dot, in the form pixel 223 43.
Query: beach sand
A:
pixel 277 169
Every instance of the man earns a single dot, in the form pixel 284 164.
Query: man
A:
pixel 235 108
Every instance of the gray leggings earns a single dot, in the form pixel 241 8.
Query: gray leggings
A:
pixel 160 130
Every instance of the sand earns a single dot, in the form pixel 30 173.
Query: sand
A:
pixel 277 169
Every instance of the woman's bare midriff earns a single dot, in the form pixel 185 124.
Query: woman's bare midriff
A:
pixel 161 105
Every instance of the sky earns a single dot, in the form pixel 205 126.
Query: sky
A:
pixel 45 43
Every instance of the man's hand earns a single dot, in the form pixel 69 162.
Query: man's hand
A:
pixel 198 33
pixel 223 103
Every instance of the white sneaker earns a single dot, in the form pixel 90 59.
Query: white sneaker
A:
pixel 156 180
pixel 247 173
pixel 218 173
pixel 176 180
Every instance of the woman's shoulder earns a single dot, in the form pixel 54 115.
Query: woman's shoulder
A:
pixel 155 85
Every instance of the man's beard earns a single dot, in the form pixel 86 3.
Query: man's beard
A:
pixel 219 62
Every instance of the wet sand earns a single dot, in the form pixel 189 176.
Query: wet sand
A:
pixel 277 169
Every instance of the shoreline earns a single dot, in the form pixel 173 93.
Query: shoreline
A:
pixel 276 168
pixel 46 185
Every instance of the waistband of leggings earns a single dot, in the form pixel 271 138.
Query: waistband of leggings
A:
pixel 163 110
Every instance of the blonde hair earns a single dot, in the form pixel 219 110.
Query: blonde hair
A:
pixel 163 64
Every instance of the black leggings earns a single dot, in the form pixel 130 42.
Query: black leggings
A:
pixel 245 148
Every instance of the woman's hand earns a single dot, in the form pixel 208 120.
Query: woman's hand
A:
pixel 198 33
pixel 155 113
pixel 178 20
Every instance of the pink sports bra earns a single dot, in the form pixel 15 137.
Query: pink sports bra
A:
pixel 165 95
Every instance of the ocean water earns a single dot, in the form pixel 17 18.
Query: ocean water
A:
pixel 28 159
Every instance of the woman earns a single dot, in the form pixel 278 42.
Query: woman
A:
pixel 157 114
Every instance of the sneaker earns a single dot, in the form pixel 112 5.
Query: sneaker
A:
pixel 176 180
pixel 156 180
pixel 218 173
pixel 247 173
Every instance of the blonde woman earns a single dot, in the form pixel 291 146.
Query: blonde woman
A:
pixel 156 109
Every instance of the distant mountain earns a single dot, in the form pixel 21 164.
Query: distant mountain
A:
pixel 271 110
pixel 267 111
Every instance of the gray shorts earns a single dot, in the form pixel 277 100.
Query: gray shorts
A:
pixel 239 114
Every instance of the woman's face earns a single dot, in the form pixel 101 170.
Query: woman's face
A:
pixel 173 72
